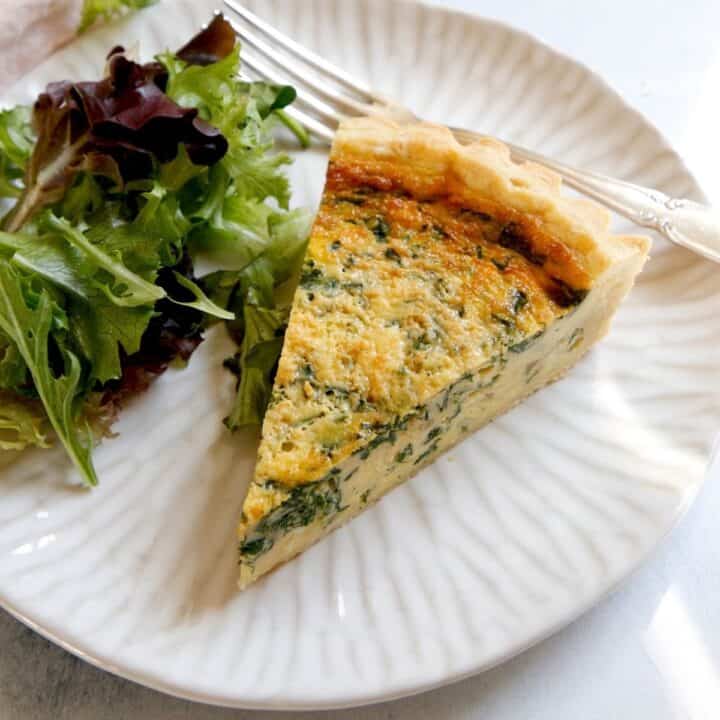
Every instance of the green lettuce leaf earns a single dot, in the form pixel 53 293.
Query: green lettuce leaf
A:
pixel 154 239
pixel 280 261
pixel 253 294
pixel 16 143
pixel 234 230
pixel 255 364
pixel 102 10
pixel 279 246
pixel 22 423
pixel 101 329
pixel 26 318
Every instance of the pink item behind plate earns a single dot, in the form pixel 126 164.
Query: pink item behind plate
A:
pixel 30 30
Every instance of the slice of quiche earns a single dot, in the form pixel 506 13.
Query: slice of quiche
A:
pixel 442 285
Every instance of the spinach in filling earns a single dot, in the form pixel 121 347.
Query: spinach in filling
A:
pixel 305 505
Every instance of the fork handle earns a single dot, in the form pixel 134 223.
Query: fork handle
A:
pixel 692 225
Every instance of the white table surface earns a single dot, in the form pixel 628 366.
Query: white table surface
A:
pixel 652 650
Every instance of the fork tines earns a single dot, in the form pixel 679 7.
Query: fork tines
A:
pixel 326 94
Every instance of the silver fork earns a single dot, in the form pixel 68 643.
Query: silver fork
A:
pixel 327 94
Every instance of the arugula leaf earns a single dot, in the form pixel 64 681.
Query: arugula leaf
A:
pixel 128 289
pixel 202 302
pixel 49 257
pixel 255 364
pixel 22 423
pixel 28 327
pixel 102 10
pixel 222 287
pixel 100 327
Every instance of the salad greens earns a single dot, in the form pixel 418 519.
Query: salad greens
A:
pixel 99 10
pixel 27 317
pixel 113 189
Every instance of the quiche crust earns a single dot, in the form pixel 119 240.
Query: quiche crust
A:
pixel 442 285
pixel 427 160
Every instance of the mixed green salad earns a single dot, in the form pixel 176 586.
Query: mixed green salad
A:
pixel 113 189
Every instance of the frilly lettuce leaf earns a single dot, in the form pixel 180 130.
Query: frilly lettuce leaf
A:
pixel 258 174
pixel 22 423
pixel 13 371
pixel 259 246
pixel 243 113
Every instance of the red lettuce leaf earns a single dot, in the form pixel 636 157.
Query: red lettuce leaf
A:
pixel 174 333
pixel 210 45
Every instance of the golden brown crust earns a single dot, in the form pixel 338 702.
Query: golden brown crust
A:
pixel 426 160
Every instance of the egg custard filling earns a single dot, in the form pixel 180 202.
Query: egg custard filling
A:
pixel 442 285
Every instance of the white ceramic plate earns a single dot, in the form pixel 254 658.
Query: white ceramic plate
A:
pixel 498 544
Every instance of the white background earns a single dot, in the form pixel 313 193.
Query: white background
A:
pixel 650 652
